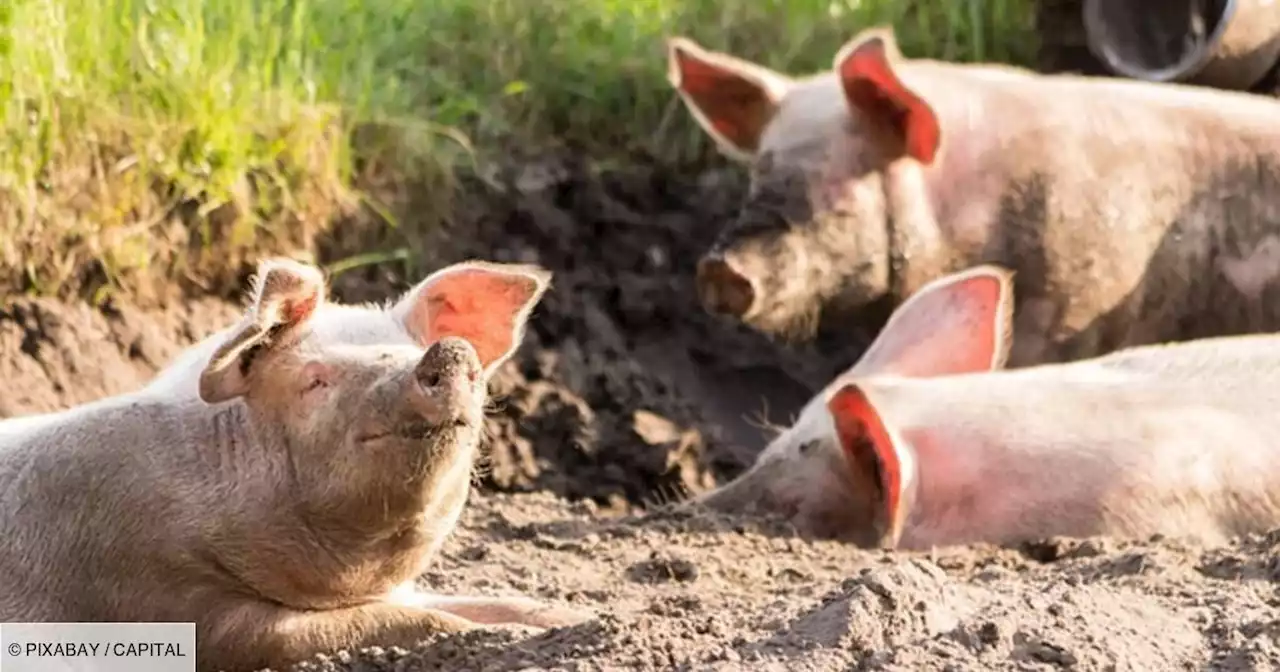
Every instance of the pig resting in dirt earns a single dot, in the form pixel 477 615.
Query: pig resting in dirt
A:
pixel 1133 213
pixel 926 442
pixel 289 505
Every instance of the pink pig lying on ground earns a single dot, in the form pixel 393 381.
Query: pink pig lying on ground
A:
pixel 1132 212
pixel 925 442
pixel 304 469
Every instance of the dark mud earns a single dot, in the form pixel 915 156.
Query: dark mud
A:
pixel 626 387
pixel 625 391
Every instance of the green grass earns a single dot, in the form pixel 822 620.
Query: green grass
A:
pixel 174 133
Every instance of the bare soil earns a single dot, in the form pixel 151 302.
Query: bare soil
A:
pixel 625 394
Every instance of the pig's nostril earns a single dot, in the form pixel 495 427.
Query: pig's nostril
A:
pixel 448 362
pixel 723 289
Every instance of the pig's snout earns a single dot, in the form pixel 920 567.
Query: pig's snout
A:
pixel 449 381
pixel 724 288
pixel 749 492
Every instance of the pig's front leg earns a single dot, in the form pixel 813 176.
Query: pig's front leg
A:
pixel 257 635
pixel 492 610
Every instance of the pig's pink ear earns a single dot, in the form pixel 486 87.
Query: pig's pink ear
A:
pixel 284 296
pixel 875 460
pixel 960 323
pixel 865 67
pixel 731 99
pixel 485 303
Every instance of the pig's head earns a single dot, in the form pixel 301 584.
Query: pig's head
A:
pixel 391 424
pixel 839 471
pixel 814 230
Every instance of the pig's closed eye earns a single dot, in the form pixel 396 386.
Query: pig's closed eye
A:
pixel 316 384
pixel 316 375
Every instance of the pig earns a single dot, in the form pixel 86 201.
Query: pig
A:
pixel 1133 213
pixel 929 440
pixel 288 505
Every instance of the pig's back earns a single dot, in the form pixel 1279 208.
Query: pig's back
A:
pixel 1234 374
pixel 1066 96
pixel 1120 447
pixel 1133 213
pixel 1246 360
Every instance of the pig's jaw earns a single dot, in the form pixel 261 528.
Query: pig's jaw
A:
pixel 446 495
pixel 813 279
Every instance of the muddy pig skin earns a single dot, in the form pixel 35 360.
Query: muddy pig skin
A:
pixel 927 442
pixel 1133 213
pixel 288 501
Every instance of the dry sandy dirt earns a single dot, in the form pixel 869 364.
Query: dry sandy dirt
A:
pixel 624 394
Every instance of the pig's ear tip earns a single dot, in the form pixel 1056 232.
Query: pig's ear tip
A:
pixel 540 277
pixel 679 48
pixel 286 265
pixel 1004 273
pixel 683 45
pixel 882 33
pixel 842 395
pixel 282 276
pixel 880 38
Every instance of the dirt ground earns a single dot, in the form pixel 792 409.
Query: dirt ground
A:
pixel 627 394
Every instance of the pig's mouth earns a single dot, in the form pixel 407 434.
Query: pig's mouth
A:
pixel 420 431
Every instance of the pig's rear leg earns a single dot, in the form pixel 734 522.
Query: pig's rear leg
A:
pixel 492 610
pixel 257 635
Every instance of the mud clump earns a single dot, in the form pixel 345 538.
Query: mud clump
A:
pixel 661 568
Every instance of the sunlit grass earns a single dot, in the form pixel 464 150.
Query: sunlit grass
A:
pixel 116 112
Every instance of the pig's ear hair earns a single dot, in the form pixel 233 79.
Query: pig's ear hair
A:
pixel 865 67
pixel 879 464
pixel 284 296
pixel 487 304
pixel 731 99
pixel 959 323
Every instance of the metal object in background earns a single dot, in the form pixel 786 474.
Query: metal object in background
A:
pixel 1225 44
